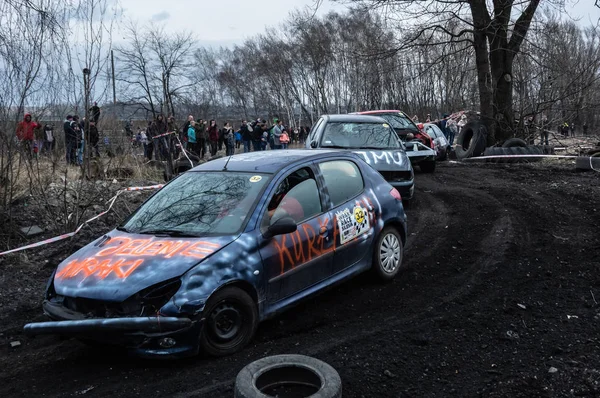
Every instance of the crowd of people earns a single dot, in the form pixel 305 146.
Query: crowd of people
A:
pixel 200 137
pixel 449 124
pixel 36 139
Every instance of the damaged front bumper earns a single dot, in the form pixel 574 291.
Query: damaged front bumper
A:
pixel 158 336
pixel 418 152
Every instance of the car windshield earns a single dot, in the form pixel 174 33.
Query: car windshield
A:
pixel 399 122
pixel 359 135
pixel 199 203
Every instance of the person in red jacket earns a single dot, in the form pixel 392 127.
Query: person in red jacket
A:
pixel 25 132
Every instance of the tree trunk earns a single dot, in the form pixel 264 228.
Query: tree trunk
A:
pixel 503 101
pixel 484 78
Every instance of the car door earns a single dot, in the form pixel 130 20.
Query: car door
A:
pixel 296 261
pixel 351 210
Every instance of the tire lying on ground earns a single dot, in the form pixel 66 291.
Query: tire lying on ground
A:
pixel 288 376
pixel 471 140
pixel 514 142
pixel 501 151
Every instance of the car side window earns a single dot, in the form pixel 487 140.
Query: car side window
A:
pixel 431 132
pixel 297 196
pixel 343 180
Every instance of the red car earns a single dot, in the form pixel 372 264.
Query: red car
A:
pixel 402 124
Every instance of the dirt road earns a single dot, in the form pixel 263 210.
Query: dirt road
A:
pixel 501 288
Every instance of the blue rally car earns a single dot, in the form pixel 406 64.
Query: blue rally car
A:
pixel 224 246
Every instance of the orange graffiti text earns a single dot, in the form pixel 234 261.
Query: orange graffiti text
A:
pixel 120 269
pixel 305 244
pixel 151 247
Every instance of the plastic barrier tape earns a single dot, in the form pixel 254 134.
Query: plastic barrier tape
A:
pixel 70 234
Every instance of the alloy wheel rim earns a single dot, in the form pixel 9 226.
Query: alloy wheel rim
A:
pixel 389 253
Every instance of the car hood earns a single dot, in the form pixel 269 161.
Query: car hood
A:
pixel 385 159
pixel 118 265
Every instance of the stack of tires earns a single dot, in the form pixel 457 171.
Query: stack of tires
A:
pixel 471 141
pixel 517 146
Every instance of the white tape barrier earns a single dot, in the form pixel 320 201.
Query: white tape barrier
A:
pixel 111 202
pixel 520 156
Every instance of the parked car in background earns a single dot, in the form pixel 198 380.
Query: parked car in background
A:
pixel 373 139
pixel 223 246
pixel 420 148
pixel 441 144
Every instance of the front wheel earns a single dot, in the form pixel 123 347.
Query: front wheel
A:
pixel 387 258
pixel 231 318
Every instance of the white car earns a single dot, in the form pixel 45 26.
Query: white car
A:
pixel 441 143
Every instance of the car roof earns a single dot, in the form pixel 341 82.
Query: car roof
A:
pixel 267 161
pixel 354 118
pixel 376 112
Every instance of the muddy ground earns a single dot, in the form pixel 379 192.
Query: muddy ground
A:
pixel 499 299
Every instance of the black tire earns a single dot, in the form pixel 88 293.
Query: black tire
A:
pixel 288 375
pixel 389 243
pixel 231 318
pixel 514 142
pixel 471 141
pixel 501 151
pixel 536 149
pixel 428 166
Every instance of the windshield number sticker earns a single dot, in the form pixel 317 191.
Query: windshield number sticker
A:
pixel 352 223
pixel 386 125
pixel 255 178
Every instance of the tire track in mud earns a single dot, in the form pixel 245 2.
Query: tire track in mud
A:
pixel 348 315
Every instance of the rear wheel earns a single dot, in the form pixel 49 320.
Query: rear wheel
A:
pixel 231 319
pixel 389 251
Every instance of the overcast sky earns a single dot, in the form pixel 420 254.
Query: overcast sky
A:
pixel 219 22
pixel 228 22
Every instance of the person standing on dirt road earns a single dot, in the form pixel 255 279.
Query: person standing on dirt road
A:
pixel 565 129
pixel 246 132
pixel 25 133
pixel 201 141
pixel 160 144
pixel 229 138
pixel 213 136
pixel 544 130
pixel 70 140
pixel 49 139
pixel 222 133
pixel 94 137
pixel 452 128
pixel 95 113
pixel 184 130
pixel 191 138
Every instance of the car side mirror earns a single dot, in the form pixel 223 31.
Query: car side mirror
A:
pixel 282 226
pixel 313 144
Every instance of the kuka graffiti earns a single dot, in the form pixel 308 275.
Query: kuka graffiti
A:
pixel 308 244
